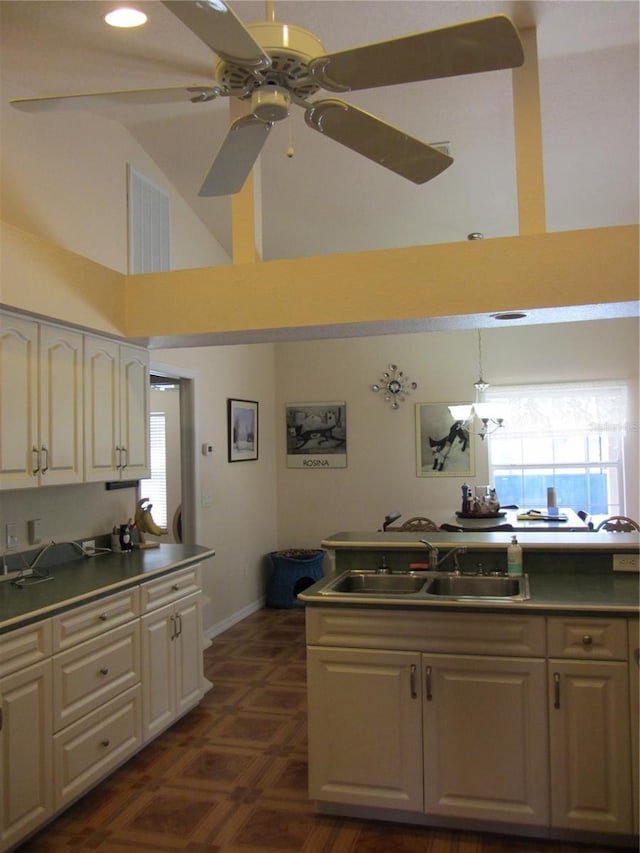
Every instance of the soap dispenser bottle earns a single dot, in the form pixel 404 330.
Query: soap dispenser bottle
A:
pixel 514 557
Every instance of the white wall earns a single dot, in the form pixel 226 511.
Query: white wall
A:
pixel 236 512
pixel 381 456
pixel 50 187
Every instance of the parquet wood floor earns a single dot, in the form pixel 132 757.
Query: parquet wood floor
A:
pixel 231 776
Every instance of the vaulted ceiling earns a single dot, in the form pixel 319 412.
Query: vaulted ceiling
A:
pixel 327 199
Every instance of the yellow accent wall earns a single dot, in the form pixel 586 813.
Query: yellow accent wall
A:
pixel 543 270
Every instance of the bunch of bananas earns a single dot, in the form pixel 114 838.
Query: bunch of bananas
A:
pixel 144 520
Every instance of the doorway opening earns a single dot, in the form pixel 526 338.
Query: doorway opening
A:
pixel 171 486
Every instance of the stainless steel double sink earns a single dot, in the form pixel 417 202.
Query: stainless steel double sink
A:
pixel 429 585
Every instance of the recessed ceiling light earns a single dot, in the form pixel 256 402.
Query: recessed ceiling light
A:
pixel 125 18
pixel 509 315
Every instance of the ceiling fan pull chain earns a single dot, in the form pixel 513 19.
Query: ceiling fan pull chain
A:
pixel 290 150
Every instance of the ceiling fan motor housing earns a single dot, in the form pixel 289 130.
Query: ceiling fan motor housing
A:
pixel 290 49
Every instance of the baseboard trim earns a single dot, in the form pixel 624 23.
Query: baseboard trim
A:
pixel 236 617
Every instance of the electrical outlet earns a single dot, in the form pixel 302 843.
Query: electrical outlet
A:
pixel 11 535
pixel 35 531
pixel 626 562
pixel 89 545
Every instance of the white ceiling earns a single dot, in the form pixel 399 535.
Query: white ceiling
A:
pixel 327 199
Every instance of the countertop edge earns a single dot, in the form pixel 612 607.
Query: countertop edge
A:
pixel 101 591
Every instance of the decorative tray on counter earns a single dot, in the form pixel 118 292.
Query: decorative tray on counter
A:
pixel 481 514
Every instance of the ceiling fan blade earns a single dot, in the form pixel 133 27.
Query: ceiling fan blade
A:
pixel 486 44
pixel 236 157
pixel 91 100
pixel 216 25
pixel 373 138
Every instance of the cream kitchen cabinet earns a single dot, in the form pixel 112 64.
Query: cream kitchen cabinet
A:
pixel 116 411
pixel 172 677
pixel 485 738
pixel 41 383
pixel 456 701
pixel 26 792
pixel 365 727
pixel 634 695
pixel 590 744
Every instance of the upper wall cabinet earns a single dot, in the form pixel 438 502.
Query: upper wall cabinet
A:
pixel 116 411
pixel 73 408
pixel 41 375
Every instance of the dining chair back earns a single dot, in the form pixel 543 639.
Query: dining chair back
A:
pixel 618 524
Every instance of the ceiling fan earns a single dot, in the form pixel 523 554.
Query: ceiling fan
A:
pixel 271 65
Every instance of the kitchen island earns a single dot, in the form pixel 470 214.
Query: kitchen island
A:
pixel 97 657
pixel 518 716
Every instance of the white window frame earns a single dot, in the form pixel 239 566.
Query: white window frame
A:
pixel 155 487
pixel 564 413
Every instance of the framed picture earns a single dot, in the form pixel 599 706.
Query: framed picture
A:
pixel 444 446
pixel 242 425
pixel 316 435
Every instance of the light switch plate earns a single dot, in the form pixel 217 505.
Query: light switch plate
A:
pixel 626 562
pixel 11 535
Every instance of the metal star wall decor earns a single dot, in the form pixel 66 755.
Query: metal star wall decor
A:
pixel 394 385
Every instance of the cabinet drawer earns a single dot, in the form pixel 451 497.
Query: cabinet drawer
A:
pixel 87 750
pixel 90 674
pixel 592 638
pixel 169 588
pixel 25 646
pixel 427 631
pixel 89 620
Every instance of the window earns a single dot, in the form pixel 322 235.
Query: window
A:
pixel 155 488
pixel 570 436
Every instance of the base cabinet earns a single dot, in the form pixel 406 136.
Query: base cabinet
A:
pixel 590 746
pixel 485 738
pixel 26 794
pixel 171 663
pixel 82 691
pixel 515 720
pixel 365 727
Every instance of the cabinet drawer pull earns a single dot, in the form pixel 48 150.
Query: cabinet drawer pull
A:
pixel 556 689
pixel 428 684
pixel 103 617
pixel 587 641
pixel 106 742
pixel 412 681
pixel 104 670
pixel 175 587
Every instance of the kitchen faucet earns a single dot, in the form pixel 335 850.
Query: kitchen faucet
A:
pixel 436 562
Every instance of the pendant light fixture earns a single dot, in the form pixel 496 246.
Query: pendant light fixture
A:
pixel 490 416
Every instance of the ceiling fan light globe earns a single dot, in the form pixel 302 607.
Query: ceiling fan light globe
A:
pixel 270 103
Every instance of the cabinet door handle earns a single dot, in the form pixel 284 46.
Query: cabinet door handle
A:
pixel 45 452
pixel 556 689
pixel 35 454
pixel 428 684
pixel 126 457
pixel 412 681
pixel 173 627
pixel 179 624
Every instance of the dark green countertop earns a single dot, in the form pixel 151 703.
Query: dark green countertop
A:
pixel 86 578
pixel 551 592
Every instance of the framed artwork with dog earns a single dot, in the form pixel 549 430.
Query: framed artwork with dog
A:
pixel 444 446
pixel 316 435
